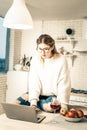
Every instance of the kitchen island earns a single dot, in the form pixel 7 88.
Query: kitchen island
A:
pixel 47 123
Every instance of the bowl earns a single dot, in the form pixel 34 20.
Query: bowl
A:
pixel 73 119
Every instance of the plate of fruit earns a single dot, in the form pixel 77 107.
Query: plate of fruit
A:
pixel 72 115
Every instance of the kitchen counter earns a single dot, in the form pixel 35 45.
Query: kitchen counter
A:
pixel 47 123
pixel 10 124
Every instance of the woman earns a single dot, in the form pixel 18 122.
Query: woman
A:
pixel 49 76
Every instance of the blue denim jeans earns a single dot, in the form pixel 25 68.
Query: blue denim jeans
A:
pixel 42 100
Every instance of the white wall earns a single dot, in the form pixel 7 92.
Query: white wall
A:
pixel 28 46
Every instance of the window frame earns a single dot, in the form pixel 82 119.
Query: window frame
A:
pixel 7 48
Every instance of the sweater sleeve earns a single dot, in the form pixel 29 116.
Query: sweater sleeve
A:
pixel 64 84
pixel 34 83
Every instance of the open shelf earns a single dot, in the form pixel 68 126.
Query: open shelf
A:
pixel 67 41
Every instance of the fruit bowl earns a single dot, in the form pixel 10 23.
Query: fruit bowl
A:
pixel 72 119
pixel 72 115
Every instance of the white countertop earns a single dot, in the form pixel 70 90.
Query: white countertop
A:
pixel 10 124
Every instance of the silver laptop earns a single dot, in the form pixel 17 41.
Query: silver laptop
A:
pixel 22 112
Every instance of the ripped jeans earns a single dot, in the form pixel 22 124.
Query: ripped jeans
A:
pixel 42 100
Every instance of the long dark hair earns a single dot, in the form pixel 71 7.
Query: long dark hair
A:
pixel 48 40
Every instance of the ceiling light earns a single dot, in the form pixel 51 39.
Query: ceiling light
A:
pixel 18 16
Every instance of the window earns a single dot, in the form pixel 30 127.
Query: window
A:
pixel 4 47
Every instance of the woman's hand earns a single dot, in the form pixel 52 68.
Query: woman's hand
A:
pixel 66 106
pixel 47 108
pixel 35 107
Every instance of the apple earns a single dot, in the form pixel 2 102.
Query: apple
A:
pixel 73 114
pixel 63 111
pixel 80 113
pixel 67 115
pixel 72 109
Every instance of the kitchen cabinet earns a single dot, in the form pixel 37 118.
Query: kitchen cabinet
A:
pixel 17 84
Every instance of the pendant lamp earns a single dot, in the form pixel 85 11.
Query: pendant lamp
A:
pixel 18 16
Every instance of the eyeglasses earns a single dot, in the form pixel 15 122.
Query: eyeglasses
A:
pixel 46 50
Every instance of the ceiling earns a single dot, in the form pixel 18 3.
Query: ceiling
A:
pixel 51 9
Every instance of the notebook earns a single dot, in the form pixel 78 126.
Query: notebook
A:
pixel 22 112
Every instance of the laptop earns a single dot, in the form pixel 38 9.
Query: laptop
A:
pixel 22 112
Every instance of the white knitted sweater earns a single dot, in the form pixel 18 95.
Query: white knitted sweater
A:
pixel 49 78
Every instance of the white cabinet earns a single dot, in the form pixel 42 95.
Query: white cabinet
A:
pixel 17 84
